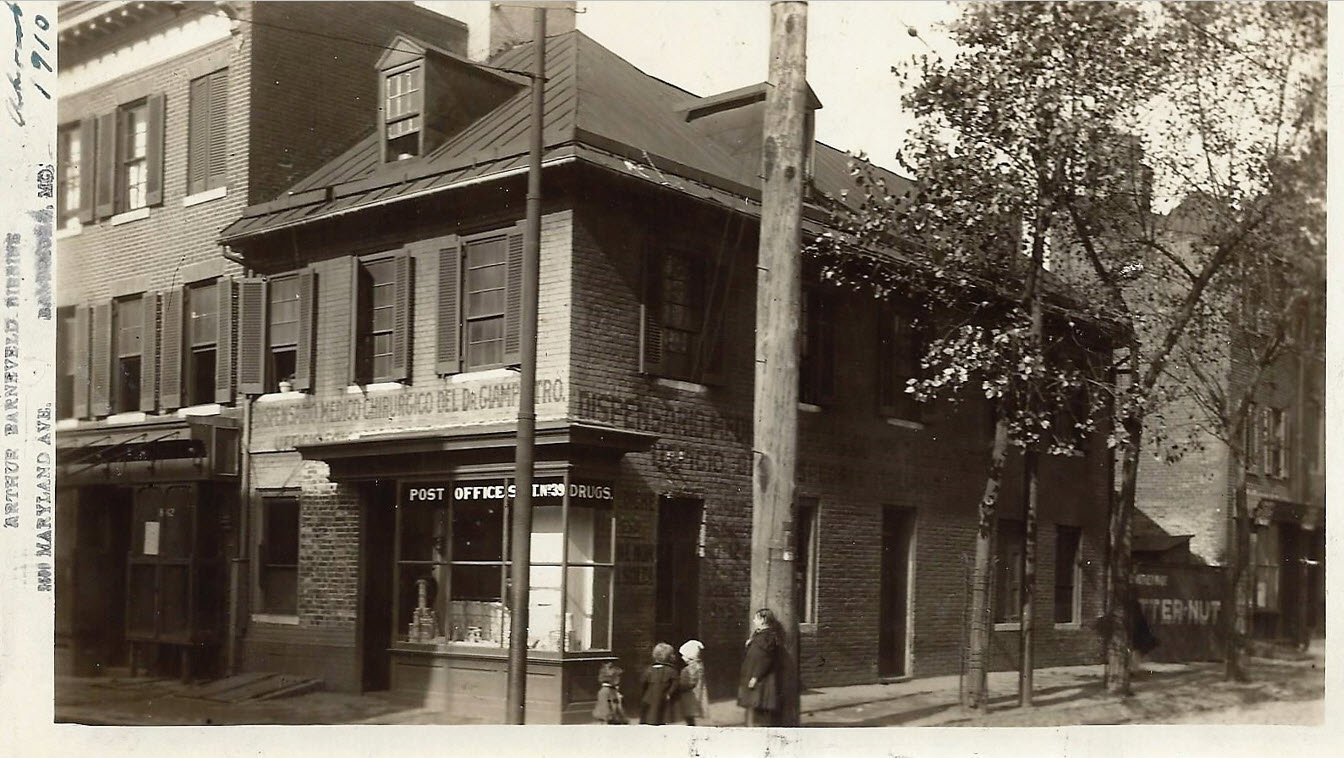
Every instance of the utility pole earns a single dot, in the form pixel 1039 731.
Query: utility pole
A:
pixel 521 543
pixel 778 286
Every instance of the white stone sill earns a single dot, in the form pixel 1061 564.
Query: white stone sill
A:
pixel 677 384
pixel 360 389
pixel 487 374
pixel 125 218
pixel 809 407
pixel 272 618
pixel 72 228
pixel 207 409
pixel 905 424
pixel 271 397
pixel 205 197
pixel 130 417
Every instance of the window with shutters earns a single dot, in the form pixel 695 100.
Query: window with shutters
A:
pixel 202 335
pixel 127 330
pixel 403 101
pixel 69 162
pixel 207 150
pixel 67 355
pixel 1008 571
pixel 816 359
pixel 1068 569
pixel 1276 443
pixel 133 152
pixel 381 323
pixel 900 348
pixel 282 332
pixel 1251 439
pixel 483 283
pixel 682 315
pixel 279 571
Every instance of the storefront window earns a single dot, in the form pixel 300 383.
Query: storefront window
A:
pixel 452 565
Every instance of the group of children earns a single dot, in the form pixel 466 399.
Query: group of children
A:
pixel 667 694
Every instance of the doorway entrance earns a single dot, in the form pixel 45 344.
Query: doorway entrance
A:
pixel 893 636
pixel 376 555
pixel 102 542
pixel 677 571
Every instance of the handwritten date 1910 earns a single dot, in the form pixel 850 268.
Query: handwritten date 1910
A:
pixel 37 58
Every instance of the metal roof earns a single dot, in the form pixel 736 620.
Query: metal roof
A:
pixel 599 108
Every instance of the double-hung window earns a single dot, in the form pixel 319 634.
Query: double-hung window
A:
pixel 682 315
pixel 73 172
pixel 133 156
pixel 484 285
pixel 128 326
pixel 278 573
pixel 282 331
pixel 1276 443
pixel 202 339
pixel 816 364
pixel 69 351
pixel 275 333
pixel 900 349
pixel 1068 542
pixel 377 305
pixel 403 103
pixel 1008 571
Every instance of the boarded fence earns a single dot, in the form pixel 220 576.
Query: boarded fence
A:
pixel 1183 606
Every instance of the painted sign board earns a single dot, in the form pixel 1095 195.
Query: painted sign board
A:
pixel 1183 606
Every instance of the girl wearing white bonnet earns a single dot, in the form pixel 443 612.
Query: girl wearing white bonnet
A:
pixel 694 694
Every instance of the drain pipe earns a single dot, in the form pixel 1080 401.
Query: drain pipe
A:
pixel 240 574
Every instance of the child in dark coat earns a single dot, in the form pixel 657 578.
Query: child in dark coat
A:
pixel 658 687
pixel 693 695
pixel 609 709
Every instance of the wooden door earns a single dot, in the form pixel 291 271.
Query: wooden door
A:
pixel 898 533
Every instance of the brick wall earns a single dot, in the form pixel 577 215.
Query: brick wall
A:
pixel 854 462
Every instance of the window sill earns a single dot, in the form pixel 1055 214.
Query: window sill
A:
pixel 360 389
pixel 807 627
pixel 270 397
pixel 72 228
pixel 205 197
pixel 275 618
pixel 677 384
pixel 67 423
pixel 1068 626
pixel 482 374
pixel 906 424
pixel 207 409
pixel 130 417
pixel 125 218
pixel 1007 626
pixel 810 407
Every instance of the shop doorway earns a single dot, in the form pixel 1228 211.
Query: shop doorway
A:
pixel 376 558
pixel 102 542
pixel 898 537
pixel 677 578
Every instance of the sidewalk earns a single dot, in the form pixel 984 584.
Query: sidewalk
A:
pixel 1069 695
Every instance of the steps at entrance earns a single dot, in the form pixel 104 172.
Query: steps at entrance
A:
pixel 256 686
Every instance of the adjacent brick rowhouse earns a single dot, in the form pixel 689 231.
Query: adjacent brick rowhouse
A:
pixel 277 54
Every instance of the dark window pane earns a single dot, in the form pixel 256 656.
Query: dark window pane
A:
pixel 422 533
pixel 280 590
pixel 201 382
pixel 282 532
pixel 128 384
pixel 476 582
pixel 478 531
pixel 1066 559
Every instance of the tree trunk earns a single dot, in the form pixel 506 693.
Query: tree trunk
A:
pixel 1114 626
pixel 975 693
pixel 1234 578
pixel 1031 499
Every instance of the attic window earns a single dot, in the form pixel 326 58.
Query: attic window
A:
pixel 403 104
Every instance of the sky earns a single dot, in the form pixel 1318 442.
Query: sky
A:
pixel 709 47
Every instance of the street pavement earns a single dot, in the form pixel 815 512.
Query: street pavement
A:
pixel 1279 691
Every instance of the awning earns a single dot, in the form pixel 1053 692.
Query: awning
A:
pixel 159 449
pixel 392 453
pixel 1307 515
pixel 1158 543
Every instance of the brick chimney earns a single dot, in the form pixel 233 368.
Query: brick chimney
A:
pixel 511 23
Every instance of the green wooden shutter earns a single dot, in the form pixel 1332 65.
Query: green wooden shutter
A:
pixel 87 134
pixel 154 149
pixel 149 350
pixel 303 358
pixel 82 353
pixel 252 347
pixel 401 318
pixel 105 158
pixel 198 136
pixel 100 371
pixel 217 169
pixel 170 351
pixel 513 299
pixel 224 341
pixel 448 355
pixel 650 313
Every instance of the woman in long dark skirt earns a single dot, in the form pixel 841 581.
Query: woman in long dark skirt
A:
pixel 758 689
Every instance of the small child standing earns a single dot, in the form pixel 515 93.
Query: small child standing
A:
pixel 659 685
pixel 609 708
pixel 694 694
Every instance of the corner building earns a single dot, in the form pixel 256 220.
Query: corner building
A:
pixel 378 331
pixel 174 117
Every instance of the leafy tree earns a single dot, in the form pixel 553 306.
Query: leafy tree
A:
pixel 1063 133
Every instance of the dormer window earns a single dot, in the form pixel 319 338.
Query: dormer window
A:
pixel 402 108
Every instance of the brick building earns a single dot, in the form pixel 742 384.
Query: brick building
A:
pixel 174 117
pixel 377 324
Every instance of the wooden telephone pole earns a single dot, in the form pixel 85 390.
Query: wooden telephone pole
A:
pixel 778 286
